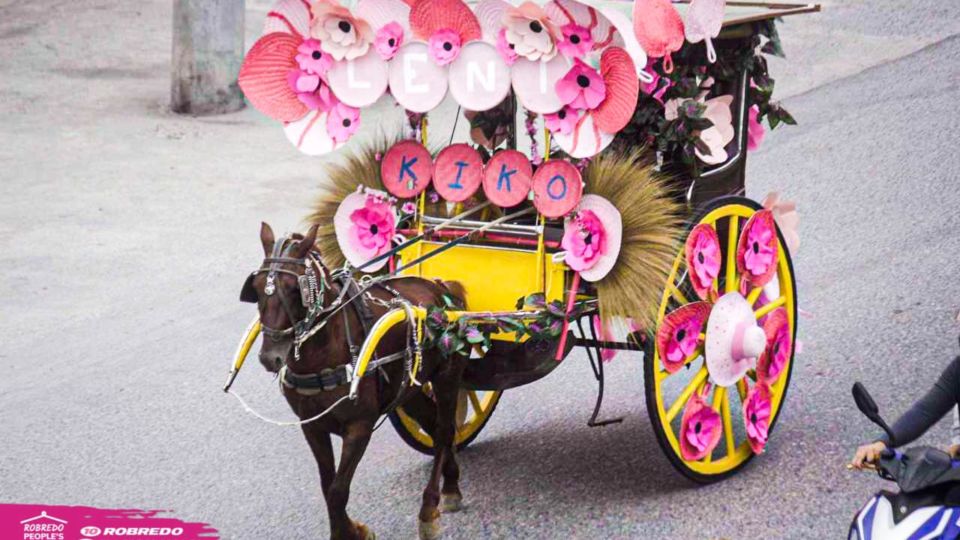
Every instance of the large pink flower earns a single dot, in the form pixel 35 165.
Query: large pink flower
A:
pixel 582 87
pixel 706 261
pixel 388 40
pixel 342 122
pixel 755 131
pixel 530 32
pixel 374 225
pixel 760 252
pixel 444 46
pixel 683 341
pixel 778 350
pixel 756 416
pixel 576 42
pixel 563 121
pixel 584 241
pixel 341 34
pixel 700 429
pixel 505 48
pixel 702 252
pixel 311 58
pixel 678 335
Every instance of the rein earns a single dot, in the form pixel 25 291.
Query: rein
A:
pixel 313 285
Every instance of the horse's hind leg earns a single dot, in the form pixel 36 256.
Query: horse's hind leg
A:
pixel 355 439
pixel 446 386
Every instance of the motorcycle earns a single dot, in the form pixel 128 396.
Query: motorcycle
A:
pixel 927 507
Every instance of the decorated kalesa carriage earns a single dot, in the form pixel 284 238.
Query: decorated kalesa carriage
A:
pixel 623 228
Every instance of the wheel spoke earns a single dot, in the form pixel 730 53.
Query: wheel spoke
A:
pixel 687 392
pixel 742 389
pixel 754 294
pixel 475 401
pixel 675 292
pixel 462 408
pixel 718 396
pixel 732 236
pixel 767 308
pixel 727 424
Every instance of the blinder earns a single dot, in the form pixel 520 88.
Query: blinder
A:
pixel 248 293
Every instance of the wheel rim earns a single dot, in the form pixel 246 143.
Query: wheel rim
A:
pixel 474 407
pixel 673 390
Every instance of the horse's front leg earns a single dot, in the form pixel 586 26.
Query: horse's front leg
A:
pixel 446 386
pixel 355 439
pixel 319 442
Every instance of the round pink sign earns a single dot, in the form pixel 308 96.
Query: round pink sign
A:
pixel 507 178
pixel 535 83
pixel 416 81
pixel 406 169
pixel 557 188
pixel 359 82
pixel 457 172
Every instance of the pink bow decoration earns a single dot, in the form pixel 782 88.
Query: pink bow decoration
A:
pixel 787 218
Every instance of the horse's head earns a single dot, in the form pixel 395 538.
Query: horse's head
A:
pixel 289 289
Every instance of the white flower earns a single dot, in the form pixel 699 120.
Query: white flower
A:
pixel 341 35
pixel 530 32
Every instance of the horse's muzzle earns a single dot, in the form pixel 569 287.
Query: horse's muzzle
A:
pixel 273 353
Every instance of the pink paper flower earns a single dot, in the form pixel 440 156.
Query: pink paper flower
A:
pixel 760 252
pixel 312 59
pixel 576 41
pixel 444 46
pixel 683 341
pixel 311 90
pixel 341 34
pixel 585 241
pixel 700 430
pixel 373 225
pixel 563 121
pixel 408 208
pixel 702 253
pixel 706 261
pixel 505 48
pixel 756 416
pixel 779 352
pixel 755 130
pixel 530 32
pixel 342 122
pixel 582 87
pixel 388 40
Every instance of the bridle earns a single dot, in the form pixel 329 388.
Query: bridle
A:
pixel 313 284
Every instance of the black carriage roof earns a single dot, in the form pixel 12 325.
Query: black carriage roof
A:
pixel 736 13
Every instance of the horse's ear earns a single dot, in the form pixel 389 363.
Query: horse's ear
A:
pixel 266 238
pixel 306 244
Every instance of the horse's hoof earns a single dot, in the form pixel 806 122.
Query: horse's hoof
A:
pixel 364 532
pixel 451 502
pixel 429 530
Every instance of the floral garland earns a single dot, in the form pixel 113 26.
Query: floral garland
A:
pixel 463 335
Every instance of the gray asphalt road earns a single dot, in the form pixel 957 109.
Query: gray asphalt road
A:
pixel 125 233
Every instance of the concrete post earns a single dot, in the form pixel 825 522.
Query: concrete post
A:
pixel 207 53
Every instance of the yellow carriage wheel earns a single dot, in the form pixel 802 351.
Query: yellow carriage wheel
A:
pixel 474 408
pixel 666 394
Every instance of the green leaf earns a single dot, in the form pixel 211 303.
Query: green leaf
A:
pixel 702 147
pixel 786 117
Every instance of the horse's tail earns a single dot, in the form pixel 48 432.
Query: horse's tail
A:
pixel 455 289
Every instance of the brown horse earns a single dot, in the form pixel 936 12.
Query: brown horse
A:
pixel 297 295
